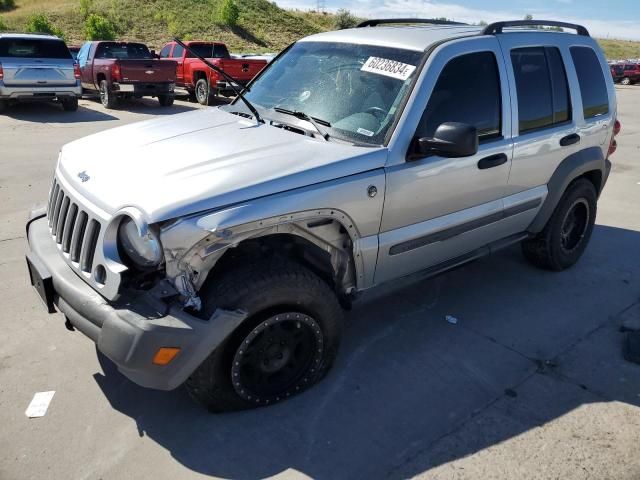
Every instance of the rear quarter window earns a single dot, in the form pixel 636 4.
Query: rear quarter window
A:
pixel 593 88
pixel 33 48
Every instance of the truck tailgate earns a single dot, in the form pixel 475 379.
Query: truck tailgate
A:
pixel 147 71
pixel 241 69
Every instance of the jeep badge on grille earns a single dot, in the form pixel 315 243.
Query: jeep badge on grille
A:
pixel 83 176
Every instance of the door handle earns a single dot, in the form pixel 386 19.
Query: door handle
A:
pixel 569 140
pixel 492 161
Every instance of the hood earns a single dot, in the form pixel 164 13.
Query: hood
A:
pixel 201 160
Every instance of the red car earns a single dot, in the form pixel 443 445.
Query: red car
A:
pixel 198 79
pixel 626 73
pixel 116 70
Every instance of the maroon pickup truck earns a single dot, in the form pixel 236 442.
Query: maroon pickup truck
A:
pixel 117 70
pixel 202 83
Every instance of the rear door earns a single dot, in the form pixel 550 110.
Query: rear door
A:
pixel 559 109
pixel 36 62
pixel 178 56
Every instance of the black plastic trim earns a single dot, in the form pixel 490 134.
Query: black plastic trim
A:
pixel 497 27
pixel 463 228
pixel 393 21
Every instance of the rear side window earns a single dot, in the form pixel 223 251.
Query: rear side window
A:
pixel 164 53
pixel 541 86
pixel 178 51
pixel 457 98
pixel 593 89
pixel 123 51
pixel 33 48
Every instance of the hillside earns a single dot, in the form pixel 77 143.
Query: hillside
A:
pixel 262 27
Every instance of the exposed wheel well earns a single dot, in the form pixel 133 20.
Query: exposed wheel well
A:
pixel 100 77
pixel 198 75
pixel 334 269
pixel 595 177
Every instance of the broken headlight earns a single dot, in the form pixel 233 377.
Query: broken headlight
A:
pixel 143 249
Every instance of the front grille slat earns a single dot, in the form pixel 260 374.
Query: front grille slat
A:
pixel 89 246
pixel 56 211
pixel 52 195
pixel 77 237
pixel 69 227
pixel 62 219
pixel 52 206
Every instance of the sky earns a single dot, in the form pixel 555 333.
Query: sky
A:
pixel 618 19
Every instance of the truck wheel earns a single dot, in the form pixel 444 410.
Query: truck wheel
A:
pixel 107 97
pixel 166 100
pixel 566 235
pixel 69 104
pixel 192 95
pixel 287 343
pixel 204 95
pixel 625 81
pixel 3 105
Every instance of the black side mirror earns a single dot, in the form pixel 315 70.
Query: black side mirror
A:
pixel 451 139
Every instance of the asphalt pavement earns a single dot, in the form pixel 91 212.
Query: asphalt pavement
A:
pixel 529 383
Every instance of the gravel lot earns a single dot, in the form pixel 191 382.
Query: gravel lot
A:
pixel 529 384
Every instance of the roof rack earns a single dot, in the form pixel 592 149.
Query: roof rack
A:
pixel 387 21
pixel 497 27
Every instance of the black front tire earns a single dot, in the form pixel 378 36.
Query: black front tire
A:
pixel 274 294
pixel 566 235
pixel 166 100
pixel 69 104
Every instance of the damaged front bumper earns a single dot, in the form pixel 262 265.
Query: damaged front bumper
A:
pixel 131 330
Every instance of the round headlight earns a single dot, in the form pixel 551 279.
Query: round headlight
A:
pixel 143 250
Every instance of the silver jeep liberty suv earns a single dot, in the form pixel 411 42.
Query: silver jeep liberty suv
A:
pixel 218 248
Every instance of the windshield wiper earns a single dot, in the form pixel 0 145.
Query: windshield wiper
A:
pixel 232 81
pixel 312 120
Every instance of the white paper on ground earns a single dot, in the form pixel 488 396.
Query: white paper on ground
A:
pixel 39 404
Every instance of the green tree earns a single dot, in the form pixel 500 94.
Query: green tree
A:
pixel 97 27
pixel 6 5
pixel 40 23
pixel 344 19
pixel 229 13
pixel 3 26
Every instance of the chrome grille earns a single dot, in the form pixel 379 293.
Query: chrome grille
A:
pixel 72 228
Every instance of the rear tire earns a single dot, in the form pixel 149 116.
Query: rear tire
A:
pixel 287 343
pixel 203 93
pixel 107 97
pixel 625 81
pixel 166 100
pixel 566 235
pixel 3 105
pixel 69 104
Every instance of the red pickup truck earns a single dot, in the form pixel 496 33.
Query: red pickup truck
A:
pixel 117 70
pixel 200 81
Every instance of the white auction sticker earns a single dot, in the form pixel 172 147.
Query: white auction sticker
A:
pixel 389 68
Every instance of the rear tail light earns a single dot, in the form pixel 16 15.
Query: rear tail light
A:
pixel 115 72
pixel 1 72
pixel 613 146
pixel 76 71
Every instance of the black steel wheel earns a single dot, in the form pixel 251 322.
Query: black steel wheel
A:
pixel 574 225
pixel 287 343
pixel 278 358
